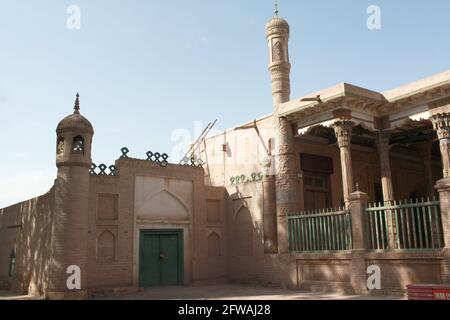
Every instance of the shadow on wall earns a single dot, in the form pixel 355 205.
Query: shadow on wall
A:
pixel 29 231
pixel 248 263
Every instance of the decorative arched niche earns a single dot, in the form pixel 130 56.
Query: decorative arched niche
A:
pixel 214 246
pixel 60 145
pixel 278 51
pixel 243 232
pixel 106 247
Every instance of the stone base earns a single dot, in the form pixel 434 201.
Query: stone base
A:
pixel 67 295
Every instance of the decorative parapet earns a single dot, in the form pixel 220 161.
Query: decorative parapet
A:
pixel 192 162
pixel 112 170
pixel 155 157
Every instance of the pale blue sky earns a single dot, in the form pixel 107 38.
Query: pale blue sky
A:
pixel 145 68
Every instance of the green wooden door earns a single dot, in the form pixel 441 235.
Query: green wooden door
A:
pixel 161 258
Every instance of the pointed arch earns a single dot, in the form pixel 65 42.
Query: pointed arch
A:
pixel 214 245
pixel 164 204
pixel 236 212
pixel 278 51
pixel 243 231
pixel 60 145
pixel 106 246
pixel 78 144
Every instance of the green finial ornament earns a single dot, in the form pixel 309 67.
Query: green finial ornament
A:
pixel 276 8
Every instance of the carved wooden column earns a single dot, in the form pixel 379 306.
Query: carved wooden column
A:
pixel 382 141
pixel 441 124
pixel 343 131
pixel 424 149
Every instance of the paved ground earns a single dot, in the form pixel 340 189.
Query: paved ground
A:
pixel 7 295
pixel 222 292
pixel 235 292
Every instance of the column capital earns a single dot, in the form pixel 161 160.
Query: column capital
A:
pixel 441 124
pixel 343 130
pixel 382 140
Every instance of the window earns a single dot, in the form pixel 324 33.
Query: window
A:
pixel 78 145
pixel 318 182
pixel 60 146
pixel 12 263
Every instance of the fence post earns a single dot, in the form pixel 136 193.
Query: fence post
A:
pixel 358 276
pixel 443 187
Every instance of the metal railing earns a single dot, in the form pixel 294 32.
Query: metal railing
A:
pixel 320 230
pixel 404 225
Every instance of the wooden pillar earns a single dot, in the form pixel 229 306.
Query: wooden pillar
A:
pixel 382 141
pixel 441 124
pixel 343 131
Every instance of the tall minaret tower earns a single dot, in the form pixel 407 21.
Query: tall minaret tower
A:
pixel 286 179
pixel 70 221
pixel 277 33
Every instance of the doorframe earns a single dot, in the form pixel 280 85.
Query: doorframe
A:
pixel 180 246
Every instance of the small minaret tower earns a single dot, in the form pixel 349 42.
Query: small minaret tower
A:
pixel 70 221
pixel 286 174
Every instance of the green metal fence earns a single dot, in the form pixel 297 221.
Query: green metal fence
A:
pixel 320 230
pixel 413 224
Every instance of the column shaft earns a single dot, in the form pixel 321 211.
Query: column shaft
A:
pixel 286 180
pixel 386 182
pixel 385 165
pixel 343 131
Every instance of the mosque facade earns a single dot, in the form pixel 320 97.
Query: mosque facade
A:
pixel 313 196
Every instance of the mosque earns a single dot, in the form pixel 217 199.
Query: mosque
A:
pixel 308 197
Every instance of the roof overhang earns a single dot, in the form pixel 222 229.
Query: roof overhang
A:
pixel 418 100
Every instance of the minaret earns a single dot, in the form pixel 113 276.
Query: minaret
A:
pixel 70 221
pixel 286 180
pixel 277 33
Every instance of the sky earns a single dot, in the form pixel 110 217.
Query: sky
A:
pixel 149 72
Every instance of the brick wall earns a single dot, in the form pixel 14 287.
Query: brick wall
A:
pixel 27 226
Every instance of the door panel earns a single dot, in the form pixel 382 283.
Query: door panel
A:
pixel 320 199
pixel 160 258
pixel 169 261
pixel 150 263
pixel 309 200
